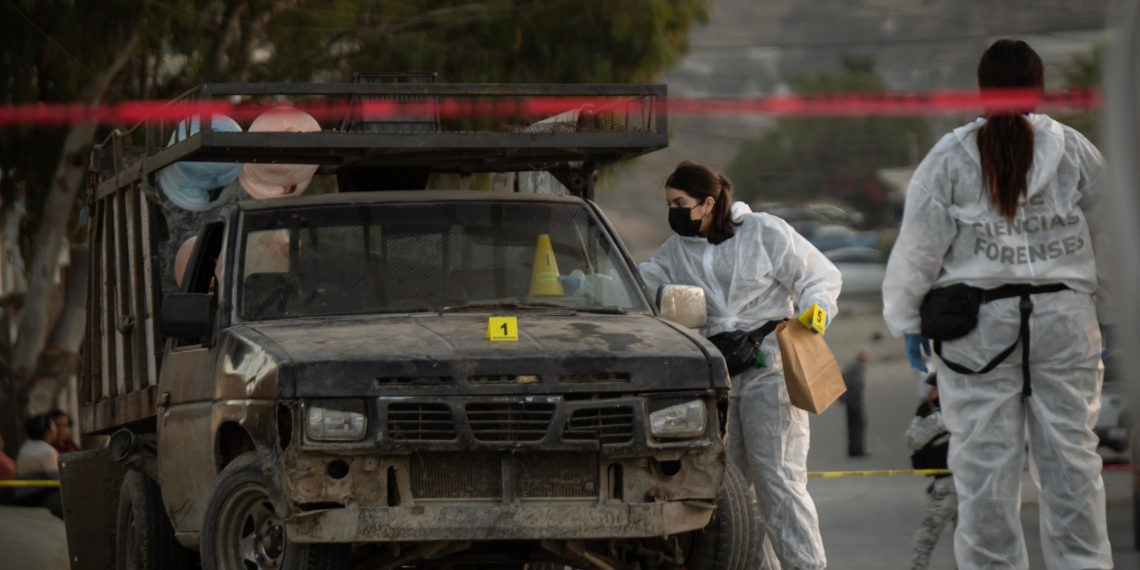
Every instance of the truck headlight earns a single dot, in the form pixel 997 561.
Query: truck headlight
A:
pixel 682 420
pixel 336 420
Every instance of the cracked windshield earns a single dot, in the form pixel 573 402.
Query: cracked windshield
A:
pixel 349 260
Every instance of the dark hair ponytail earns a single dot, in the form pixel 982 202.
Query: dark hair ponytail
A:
pixel 1005 142
pixel 701 182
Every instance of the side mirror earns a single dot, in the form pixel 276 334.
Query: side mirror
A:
pixel 683 304
pixel 187 315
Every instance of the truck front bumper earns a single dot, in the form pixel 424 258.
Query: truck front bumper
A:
pixel 523 521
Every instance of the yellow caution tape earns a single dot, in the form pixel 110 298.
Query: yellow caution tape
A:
pixel 44 483
pixel 881 473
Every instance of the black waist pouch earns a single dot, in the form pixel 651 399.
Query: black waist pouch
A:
pixel 739 348
pixel 932 456
pixel 950 313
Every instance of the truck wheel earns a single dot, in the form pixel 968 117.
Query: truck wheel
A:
pixel 732 540
pixel 243 531
pixel 144 537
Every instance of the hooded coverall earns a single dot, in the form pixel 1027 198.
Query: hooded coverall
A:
pixel 765 272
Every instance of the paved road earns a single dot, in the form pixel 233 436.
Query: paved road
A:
pixel 31 539
pixel 868 523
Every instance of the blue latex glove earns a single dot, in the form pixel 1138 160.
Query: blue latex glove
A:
pixel 916 345
pixel 1108 332
pixel 570 284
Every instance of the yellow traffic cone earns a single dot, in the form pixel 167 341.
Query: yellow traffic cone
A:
pixel 544 277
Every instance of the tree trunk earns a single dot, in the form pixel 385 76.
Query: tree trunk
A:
pixel 69 177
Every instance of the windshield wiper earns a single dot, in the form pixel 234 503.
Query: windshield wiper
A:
pixel 612 310
pixel 507 305
pixel 534 305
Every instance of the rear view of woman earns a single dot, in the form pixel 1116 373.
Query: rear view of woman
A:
pixel 1001 222
pixel 755 271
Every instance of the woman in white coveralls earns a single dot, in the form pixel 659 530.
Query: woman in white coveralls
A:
pixel 755 269
pixel 1002 222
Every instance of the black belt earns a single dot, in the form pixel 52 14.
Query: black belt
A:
pixel 761 333
pixel 1026 307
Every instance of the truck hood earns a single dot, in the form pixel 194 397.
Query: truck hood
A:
pixel 451 355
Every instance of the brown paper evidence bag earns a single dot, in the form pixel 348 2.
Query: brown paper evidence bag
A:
pixel 810 370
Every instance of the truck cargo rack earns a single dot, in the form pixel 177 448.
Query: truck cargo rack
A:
pixel 616 122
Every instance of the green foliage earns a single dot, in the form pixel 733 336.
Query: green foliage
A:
pixel 1085 71
pixel 809 159
pixel 55 51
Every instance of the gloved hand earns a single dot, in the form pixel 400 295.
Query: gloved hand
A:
pixel 570 284
pixel 916 345
pixel 1108 333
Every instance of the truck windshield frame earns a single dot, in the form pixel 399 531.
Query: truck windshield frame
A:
pixel 427 257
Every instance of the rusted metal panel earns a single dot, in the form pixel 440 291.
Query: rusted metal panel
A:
pixel 107 305
pixel 92 366
pixel 148 318
pixel 134 323
pixel 364 483
pixel 186 463
pixel 90 483
pixel 121 295
pixel 520 521
pixel 104 416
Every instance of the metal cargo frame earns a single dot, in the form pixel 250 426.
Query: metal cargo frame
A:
pixel 123 349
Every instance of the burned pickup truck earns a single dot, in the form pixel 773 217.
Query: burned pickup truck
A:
pixel 388 376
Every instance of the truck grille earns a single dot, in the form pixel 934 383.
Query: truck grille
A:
pixel 509 421
pixel 556 474
pixel 590 377
pixel 605 425
pixel 451 475
pixel 420 422
pixel 412 380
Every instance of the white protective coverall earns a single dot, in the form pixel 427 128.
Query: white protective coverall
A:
pixel 765 272
pixel 952 233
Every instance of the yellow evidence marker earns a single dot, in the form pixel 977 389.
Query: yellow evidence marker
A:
pixel 544 277
pixel 814 318
pixel 503 328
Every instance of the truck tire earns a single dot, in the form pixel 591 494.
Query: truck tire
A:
pixel 242 530
pixel 732 540
pixel 144 537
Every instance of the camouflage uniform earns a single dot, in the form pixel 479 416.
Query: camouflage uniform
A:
pixel 943 508
pixel 927 435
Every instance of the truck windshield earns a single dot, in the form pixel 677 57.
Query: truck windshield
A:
pixel 365 259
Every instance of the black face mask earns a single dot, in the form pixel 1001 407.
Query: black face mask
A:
pixel 682 222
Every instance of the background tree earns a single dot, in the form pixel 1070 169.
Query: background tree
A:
pixel 113 50
pixel 1085 71
pixel 835 159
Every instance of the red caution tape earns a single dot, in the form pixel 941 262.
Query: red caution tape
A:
pixel 535 108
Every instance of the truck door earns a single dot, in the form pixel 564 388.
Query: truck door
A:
pixel 186 388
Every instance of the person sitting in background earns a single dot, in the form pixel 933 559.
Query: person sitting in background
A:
pixel 930 440
pixel 36 461
pixel 64 442
pixel 37 456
